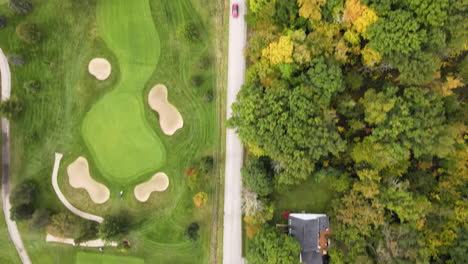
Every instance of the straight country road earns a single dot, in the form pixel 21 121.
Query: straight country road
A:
pixel 232 236
pixel 12 228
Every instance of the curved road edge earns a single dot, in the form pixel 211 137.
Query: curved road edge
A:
pixel 65 202
pixel 12 227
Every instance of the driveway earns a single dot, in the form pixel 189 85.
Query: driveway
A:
pixel 12 228
pixel 232 236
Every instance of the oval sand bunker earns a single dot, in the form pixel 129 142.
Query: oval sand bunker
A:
pixel 79 177
pixel 100 68
pixel 158 183
pixel 170 119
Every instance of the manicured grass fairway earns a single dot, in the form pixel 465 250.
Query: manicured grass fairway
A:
pixel 53 121
pixel 91 258
pixel 115 130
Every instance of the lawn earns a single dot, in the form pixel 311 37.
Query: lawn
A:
pixel 87 258
pixel 56 117
pixel 310 196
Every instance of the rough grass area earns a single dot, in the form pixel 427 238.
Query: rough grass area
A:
pixel 7 250
pixel 122 142
pixel 53 121
pixel 87 258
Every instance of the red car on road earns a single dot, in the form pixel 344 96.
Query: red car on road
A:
pixel 235 10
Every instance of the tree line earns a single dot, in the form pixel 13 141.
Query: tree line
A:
pixel 370 94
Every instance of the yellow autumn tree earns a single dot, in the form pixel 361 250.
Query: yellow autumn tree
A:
pixel 256 150
pixel 257 5
pixel 279 51
pixel 367 18
pixel 370 57
pixel 311 9
pixel 352 10
pixel 446 88
pixel 358 15
pixel 200 199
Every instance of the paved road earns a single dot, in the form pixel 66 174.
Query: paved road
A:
pixel 232 236
pixel 12 228
pixel 68 205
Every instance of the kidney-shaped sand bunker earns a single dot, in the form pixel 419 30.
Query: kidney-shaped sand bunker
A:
pixel 170 119
pixel 79 177
pixel 158 183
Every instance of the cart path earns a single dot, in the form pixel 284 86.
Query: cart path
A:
pixel 12 228
pixel 68 205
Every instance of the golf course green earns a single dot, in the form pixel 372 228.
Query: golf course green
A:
pixel 122 143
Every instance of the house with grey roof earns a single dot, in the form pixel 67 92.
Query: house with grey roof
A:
pixel 311 231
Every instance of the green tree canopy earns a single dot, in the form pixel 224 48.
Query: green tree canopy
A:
pixel 258 175
pixel 273 247
pixel 397 33
pixel 113 226
pixel 289 126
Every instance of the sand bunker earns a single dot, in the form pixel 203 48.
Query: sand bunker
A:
pixel 170 119
pixel 79 177
pixel 100 68
pixel 158 183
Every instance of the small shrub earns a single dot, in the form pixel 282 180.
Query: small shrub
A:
pixel 197 80
pixel 16 60
pixel 113 227
pixel 193 180
pixel 3 22
pixel 206 62
pixel 206 164
pixel 23 193
pixel 11 108
pixel 29 32
pixel 200 199
pixel 66 224
pixel 208 97
pixel 40 219
pixel 21 212
pixel 32 86
pixel 192 231
pixel 191 32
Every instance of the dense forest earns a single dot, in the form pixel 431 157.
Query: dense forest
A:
pixel 372 95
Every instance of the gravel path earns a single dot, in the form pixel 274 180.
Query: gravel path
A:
pixel 68 205
pixel 232 236
pixel 12 228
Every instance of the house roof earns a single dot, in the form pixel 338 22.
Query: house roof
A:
pixel 306 229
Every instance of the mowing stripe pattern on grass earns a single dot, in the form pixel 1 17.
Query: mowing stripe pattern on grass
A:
pixel 87 258
pixel 123 144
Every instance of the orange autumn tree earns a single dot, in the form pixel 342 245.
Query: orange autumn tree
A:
pixel 359 16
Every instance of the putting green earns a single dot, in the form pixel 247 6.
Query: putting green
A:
pixel 88 258
pixel 122 143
